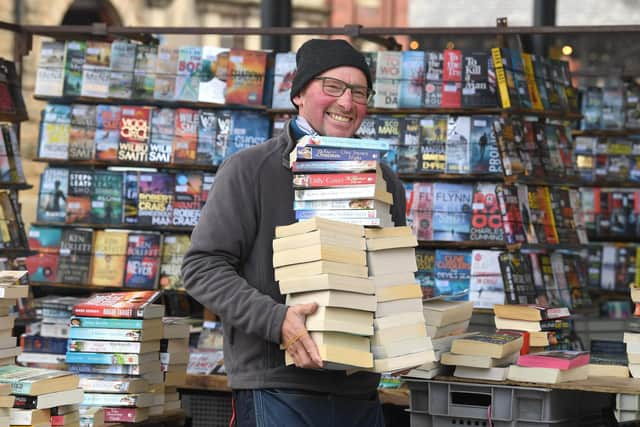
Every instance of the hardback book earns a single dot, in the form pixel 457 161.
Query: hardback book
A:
pixel 75 57
pixel 50 74
pixel 284 71
pixel 411 83
pixel 213 75
pixel 187 198
pixel 106 198
pixel 478 361
pixel 95 70
pixel 53 141
pixel 326 282
pixel 49 400
pixel 137 304
pixel 441 312
pixel 337 319
pixel 343 299
pixel 94 346
pixel 188 67
pixel 35 381
pixel 246 71
pixel 496 345
pixel 79 196
pixel 547 375
pixel 319 253
pixel 493 374
pixel 112 383
pixel 558 359
pixel 52 199
pixel 530 312
pixel 155 198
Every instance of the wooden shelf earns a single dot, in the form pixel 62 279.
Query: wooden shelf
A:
pixel 87 286
pixel 147 103
pixel 466 244
pixel 423 176
pixel 16 252
pixel 108 163
pixel 610 183
pixel 13 117
pixel 134 227
pixel 606 132
pixel 15 186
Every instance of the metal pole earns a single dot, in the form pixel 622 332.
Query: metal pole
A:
pixel 544 14
pixel 276 13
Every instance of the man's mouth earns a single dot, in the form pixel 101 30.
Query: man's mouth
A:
pixel 339 117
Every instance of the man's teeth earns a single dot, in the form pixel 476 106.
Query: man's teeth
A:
pixel 339 118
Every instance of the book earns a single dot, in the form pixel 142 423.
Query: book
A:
pixel 284 71
pixel 75 57
pixel 388 261
pixel 100 322
pixel 441 313
pixel 246 70
pixel 79 196
pixel 174 247
pixel 319 224
pixel 35 381
pixel 478 361
pixel 75 256
pixel 530 312
pixel 493 374
pixel 52 198
pixel 138 400
pixel 112 384
pixel 108 261
pixel 112 334
pixel 326 282
pixel 337 319
pixel 49 400
pixel 558 359
pixel 92 346
pixel 401 363
pixel 496 345
pixel 155 198
pixel 135 129
pixel 110 358
pixel 213 75
pixel 452 211
pixel 340 358
pixel 318 237
pixel 95 70
pixel 546 375
pixel 137 304
pixel 106 198
pixel 319 253
pixel 330 298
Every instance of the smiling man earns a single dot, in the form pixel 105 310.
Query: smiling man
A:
pixel 229 268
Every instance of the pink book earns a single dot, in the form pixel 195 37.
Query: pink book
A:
pixel 558 359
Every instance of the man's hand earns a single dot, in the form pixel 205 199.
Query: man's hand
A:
pixel 296 339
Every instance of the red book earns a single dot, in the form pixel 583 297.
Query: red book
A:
pixel 452 65
pixel 125 415
pixel 333 179
pixel 137 304
pixel 559 359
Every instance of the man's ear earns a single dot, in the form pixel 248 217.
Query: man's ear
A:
pixel 297 100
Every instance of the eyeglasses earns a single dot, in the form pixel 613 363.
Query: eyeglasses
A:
pixel 335 87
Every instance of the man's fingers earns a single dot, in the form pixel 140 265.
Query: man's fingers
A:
pixel 306 309
pixel 312 350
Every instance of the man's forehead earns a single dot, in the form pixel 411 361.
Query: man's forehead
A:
pixel 350 75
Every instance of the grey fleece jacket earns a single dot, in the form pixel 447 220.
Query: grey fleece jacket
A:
pixel 229 269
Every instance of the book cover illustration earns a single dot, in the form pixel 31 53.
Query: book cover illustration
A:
pixel 144 77
pixel 187 203
pixel 117 304
pixel 79 196
pixel 432 95
pixel 81 143
pixel 52 199
pixel 224 122
pixel 162 134
pixel 155 198
pixel 451 78
pixel 412 75
pixel 130 197
pixel 106 144
pixel 213 75
pixel 173 249
pixel 246 70
pixel 457 147
pixel 486 218
pixel 433 143
pixel 207 129
pixel 123 56
pixel 50 74
pixel 54 132
pixel 75 54
pixel 43 267
pixel 425 260
pixel 95 70
pixel 44 239
pixel 483 147
pixel 247 129
pixel 388 78
pixel 284 71
pixel 75 256
pixel 452 206
pixel 409 145
pixel 165 73
pixel 517 278
pixel 452 272
pixel 478 80
pixel 106 198
pixel 141 272
pixel 188 67
pixel 185 140
pixel 134 134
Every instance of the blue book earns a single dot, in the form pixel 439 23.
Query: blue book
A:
pixel 39 344
pixel 248 128
pixel 452 204
pixel 102 322
pixel 52 200
pixel 335 154
pixel 485 157
pixel 411 83
pixel 85 368
pixel 103 358
pixel 452 272
pixel 108 334
pixel 335 166
pixel 333 141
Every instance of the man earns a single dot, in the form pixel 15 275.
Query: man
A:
pixel 229 268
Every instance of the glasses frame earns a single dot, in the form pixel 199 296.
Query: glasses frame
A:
pixel 370 92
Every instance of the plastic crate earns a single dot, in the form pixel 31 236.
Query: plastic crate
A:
pixel 422 419
pixel 628 402
pixel 207 410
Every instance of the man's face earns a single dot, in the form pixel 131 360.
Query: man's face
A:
pixel 328 115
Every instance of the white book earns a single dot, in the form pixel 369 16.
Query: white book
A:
pixel 493 374
pixel 402 347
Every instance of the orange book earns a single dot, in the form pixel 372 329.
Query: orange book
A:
pixel 246 71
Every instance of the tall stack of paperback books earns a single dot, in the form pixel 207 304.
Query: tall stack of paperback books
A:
pixel 400 339
pixel 114 345
pixel 174 357
pixel 340 179
pixel 324 261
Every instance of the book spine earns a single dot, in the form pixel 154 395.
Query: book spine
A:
pixel 119 415
pixel 100 311
pixel 84 368
pixel 355 213
pixel 39 344
pixel 302 205
pixel 338 142
pixel 102 358
pixel 26 402
pixel 100 399
pixel 327 153
pixel 103 346
pixel 18 387
pixel 501 78
pixel 334 166
pixel 103 385
pixel 98 322
pixel 105 334
pixel 363 191
pixel 333 180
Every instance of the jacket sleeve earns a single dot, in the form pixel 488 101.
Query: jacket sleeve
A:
pixel 396 188
pixel 220 243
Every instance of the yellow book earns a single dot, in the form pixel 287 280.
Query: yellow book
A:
pixel 322 282
pixel 317 223
pixel 318 237
pixel 107 270
pixel 384 232
pixel 320 267
pixel 342 299
pixel 393 242
pixel 501 78
pixel 340 358
pixel 341 320
pixel 529 75
pixel 399 292
pixel 319 253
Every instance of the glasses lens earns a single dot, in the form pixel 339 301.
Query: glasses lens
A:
pixel 333 87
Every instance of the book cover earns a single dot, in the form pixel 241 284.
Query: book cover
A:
pixel 50 74
pixel 141 272
pixel 123 56
pixel 559 359
pixel 284 71
pixel 106 198
pixel 35 381
pixel 483 147
pixel 43 267
pixel 79 196
pixel 95 70
pixel 137 304
pixel 187 199
pixel 75 56
pixel 412 75
pixel 479 80
pixel 517 278
pixel 155 198
pixel 452 270
pixel 108 262
pixel 432 95
pixel 433 143
pixel 247 129
pixel 185 140
pixel 457 146
pixel 423 211
pixel 224 123
pixel 75 256
pixel 388 78
pixel 106 144
pixel 135 128
pixel 425 260
pixel 45 239
pixel 165 72
pixel 52 199
pixel 188 67
pixel 451 78
pixel 409 149
pixel 162 133
pixel 54 132
pixel 207 129
pixel 452 205
pixel 94 346
pixel 173 249
pixel 486 218
pixel 213 75
pixel 144 77
pixel 246 70
pixel 130 197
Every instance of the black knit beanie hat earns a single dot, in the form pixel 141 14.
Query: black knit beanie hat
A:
pixel 319 55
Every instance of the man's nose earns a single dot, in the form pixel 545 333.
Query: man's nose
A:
pixel 346 99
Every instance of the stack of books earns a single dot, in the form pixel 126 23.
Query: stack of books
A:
pixel 445 322
pixel 91 416
pixel 325 262
pixel 39 395
pixel 484 356
pixel 551 367
pixel 608 359
pixel 340 179
pixel 44 344
pixel 545 326
pixel 174 357
pixel 114 344
pixel 13 285
pixel 632 334
pixel 400 339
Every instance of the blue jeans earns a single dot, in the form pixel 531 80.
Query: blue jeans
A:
pixel 284 408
